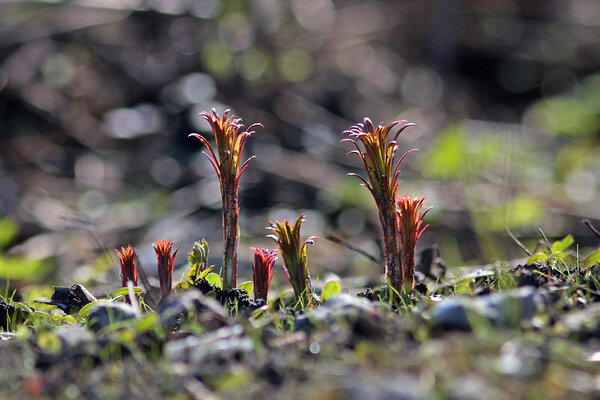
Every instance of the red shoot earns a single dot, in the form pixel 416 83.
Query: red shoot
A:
pixel 262 272
pixel 166 263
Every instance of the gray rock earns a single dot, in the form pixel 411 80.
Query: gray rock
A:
pixel 208 312
pixel 74 336
pixel 506 309
pixel 105 314
pixel 342 307
pixel 582 324
pixel 210 352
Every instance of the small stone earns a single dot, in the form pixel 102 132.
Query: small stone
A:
pixel 506 309
pixel 362 314
pixel 206 310
pixel 69 299
pixel 209 353
pixel 105 314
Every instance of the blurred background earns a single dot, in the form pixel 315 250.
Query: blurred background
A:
pixel 97 98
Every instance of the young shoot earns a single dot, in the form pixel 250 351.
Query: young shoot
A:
pixel 226 159
pixel 295 259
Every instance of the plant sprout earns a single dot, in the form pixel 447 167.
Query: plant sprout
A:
pixel 127 257
pixel 227 162
pixel 410 221
pixel 295 259
pixel 166 263
pixel 383 183
pixel 262 272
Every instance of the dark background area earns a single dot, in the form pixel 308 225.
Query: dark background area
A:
pixel 97 99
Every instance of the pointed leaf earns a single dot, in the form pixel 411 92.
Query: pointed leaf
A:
pixel 537 257
pixel 124 291
pixel 85 310
pixel 563 244
pixel 592 259
pixel 195 273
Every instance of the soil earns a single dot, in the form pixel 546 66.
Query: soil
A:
pixel 511 333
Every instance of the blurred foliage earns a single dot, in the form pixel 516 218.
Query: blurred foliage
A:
pixel 97 99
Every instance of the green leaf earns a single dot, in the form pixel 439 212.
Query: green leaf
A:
pixel 8 231
pixel 182 286
pixel 147 323
pixel 196 273
pixel 331 289
pixel 537 257
pixel 21 268
pixel 24 306
pixel 561 256
pixel 248 286
pixel 592 259
pixel 85 310
pixel 69 319
pixel 125 291
pixel 49 342
pixel 199 254
pixel 42 315
pixel 215 279
pixel 563 244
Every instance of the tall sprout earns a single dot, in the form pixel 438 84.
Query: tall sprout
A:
pixel 377 154
pixel 226 159
pixel 410 226
pixel 293 253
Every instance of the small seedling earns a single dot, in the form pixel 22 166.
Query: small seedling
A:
pixel 551 254
pixel 410 221
pixel 382 180
pixel 166 264
pixel 127 257
pixel 295 259
pixel 199 269
pixel 227 162
pixel 262 272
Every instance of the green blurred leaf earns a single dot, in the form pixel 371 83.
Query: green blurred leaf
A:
pixel 537 257
pixel 42 315
pixel 561 255
pixel 85 310
pixel 218 59
pixel 8 231
pixel 215 279
pixel 248 286
pixel 49 342
pixel 445 160
pixel 522 210
pixel 331 289
pixel 563 244
pixel 592 259
pixel 295 65
pixel 124 291
pixel 148 322
pixel 567 116
pixel 21 268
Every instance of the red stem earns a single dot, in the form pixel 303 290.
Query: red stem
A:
pixel 394 270
pixel 229 194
